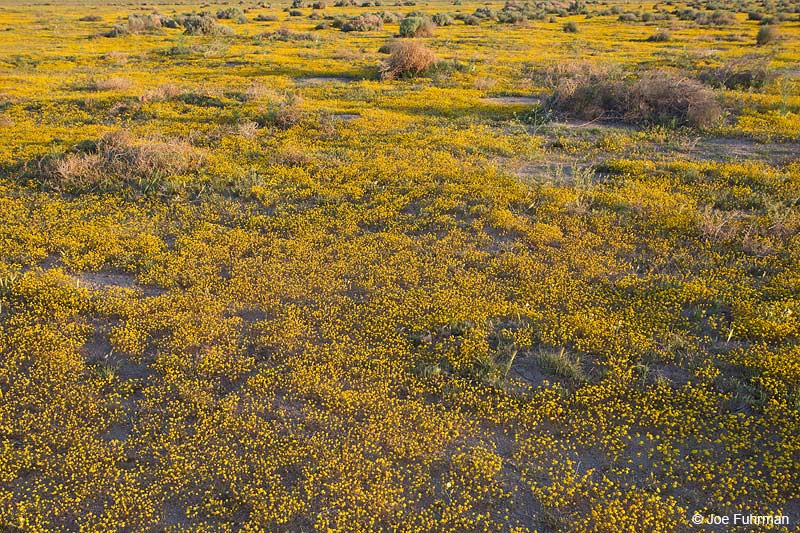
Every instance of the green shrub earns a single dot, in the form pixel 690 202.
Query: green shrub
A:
pixel 416 27
pixel 660 36
pixel 766 35
pixel 365 22
pixel 570 27
pixel 442 19
pixel 232 13
pixel 203 24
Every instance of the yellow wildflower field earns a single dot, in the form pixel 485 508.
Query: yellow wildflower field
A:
pixel 413 266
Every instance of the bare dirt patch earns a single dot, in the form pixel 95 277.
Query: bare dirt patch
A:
pixel 320 80
pixel 513 100
pixel 104 280
pixel 718 148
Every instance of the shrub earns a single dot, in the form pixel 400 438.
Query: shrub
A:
pixel 746 72
pixel 484 13
pixel 265 18
pixel 389 17
pixel 139 24
pixel 407 59
pixel 387 48
pixel 657 96
pixel 365 22
pixel 472 20
pixel 285 34
pixel 570 27
pixel 203 24
pixel 766 35
pixel 664 97
pixel 442 19
pixel 660 36
pixel 319 5
pixel 416 27
pixel 232 13
pixel 91 18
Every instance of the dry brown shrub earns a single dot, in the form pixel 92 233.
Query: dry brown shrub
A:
pixel 662 96
pixel 658 96
pixel 408 58
pixel 119 157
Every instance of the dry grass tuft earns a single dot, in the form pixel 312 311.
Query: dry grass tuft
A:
pixel 162 93
pixel 114 83
pixel 118 158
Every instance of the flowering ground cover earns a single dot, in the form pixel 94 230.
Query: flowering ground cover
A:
pixel 414 267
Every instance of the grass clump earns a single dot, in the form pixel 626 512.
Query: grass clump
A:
pixel 119 159
pixel 561 363
pixel 282 114
pixel 407 59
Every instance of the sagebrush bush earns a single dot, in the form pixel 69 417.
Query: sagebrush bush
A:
pixel 365 22
pixel 766 35
pixel 442 19
pixel 203 24
pixel 416 27
pixel 660 36
pixel 232 13
pixel 570 27
pixel 407 59
pixel 137 24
